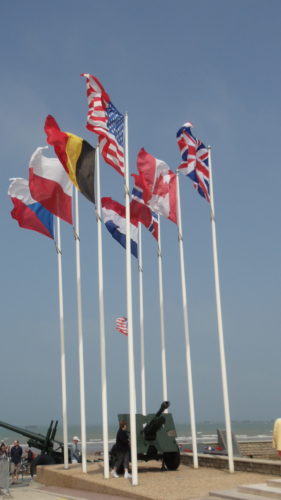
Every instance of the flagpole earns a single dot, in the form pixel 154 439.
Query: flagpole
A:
pixel 220 324
pixel 143 393
pixel 162 324
pixel 62 348
pixel 80 338
pixel 131 364
pixel 102 323
pixel 186 331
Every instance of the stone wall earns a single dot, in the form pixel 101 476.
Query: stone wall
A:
pixel 257 465
pixel 259 449
pixel 256 449
pixel 255 457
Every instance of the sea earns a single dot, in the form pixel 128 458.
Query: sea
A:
pixel 245 430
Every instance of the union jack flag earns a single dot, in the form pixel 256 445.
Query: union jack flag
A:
pixel 195 160
pixel 105 120
pixel 121 325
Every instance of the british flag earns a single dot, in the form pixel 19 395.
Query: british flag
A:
pixel 105 120
pixel 195 160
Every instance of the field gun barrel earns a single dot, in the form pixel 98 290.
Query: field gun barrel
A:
pixel 157 421
pixel 36 440
pixel 24 432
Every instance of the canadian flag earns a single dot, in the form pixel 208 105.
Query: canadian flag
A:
pixel 158 183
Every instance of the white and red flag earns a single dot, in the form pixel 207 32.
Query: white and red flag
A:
pixel 121 325
pixel 158 183
pixel 50 185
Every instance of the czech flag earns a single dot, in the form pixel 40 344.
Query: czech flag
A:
pixel 29 213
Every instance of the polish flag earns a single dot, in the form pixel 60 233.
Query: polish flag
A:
pixel 50 185
pixel 158 183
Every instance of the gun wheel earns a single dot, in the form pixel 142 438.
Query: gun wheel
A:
pixel 172 460
pixel 41 460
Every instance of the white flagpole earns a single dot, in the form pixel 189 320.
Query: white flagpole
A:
pixel 186 332
pixel 80 338
pixel 162 324
pixel 62 348
pixel 143 392
pixel 220 324
pixel 102 327
pixel 131 364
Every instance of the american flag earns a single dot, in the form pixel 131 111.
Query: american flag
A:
pixel 106 121
pixel 122 325
pixel 195 160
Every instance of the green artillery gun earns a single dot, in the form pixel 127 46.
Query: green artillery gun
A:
pixel 156 437
pixel 51 450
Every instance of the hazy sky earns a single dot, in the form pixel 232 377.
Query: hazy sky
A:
pixel 215 63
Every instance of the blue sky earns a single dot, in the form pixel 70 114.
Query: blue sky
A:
pixel 214 63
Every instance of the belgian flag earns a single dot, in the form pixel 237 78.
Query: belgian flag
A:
pixel 76 155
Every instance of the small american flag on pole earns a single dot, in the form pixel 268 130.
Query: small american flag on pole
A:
pixel 121 325
pixel 106 121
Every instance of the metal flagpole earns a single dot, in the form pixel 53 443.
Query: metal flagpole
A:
pixel 143 392
pixel 80 338
pixel 131 364
pixel 220 325
pixel 186 331
pixel 162 325
pixel 62 348
pixel 102 327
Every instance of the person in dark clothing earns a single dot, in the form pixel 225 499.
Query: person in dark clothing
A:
pixel 123 450
pixel 16 453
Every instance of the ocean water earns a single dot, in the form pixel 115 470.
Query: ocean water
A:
pixel 206 433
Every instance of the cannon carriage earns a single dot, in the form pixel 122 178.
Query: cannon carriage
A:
pixel 156 437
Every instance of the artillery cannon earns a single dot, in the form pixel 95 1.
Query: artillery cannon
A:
pixel 156 437
pixel 51 449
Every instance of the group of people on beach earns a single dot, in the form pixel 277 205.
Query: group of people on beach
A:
pixel 15 454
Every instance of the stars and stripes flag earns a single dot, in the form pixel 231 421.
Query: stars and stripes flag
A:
pixel 105 120
pixel 121 325
pixel 195 160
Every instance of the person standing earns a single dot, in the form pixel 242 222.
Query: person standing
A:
pixel 123 450
pixel 75 452
pixel 276 436
pixel 16 454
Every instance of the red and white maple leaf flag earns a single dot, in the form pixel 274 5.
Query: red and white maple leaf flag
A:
pixel 158 183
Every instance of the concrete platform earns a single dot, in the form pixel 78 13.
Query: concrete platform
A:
pixel 154 484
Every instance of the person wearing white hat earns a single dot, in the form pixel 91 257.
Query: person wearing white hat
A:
pixel 75 452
